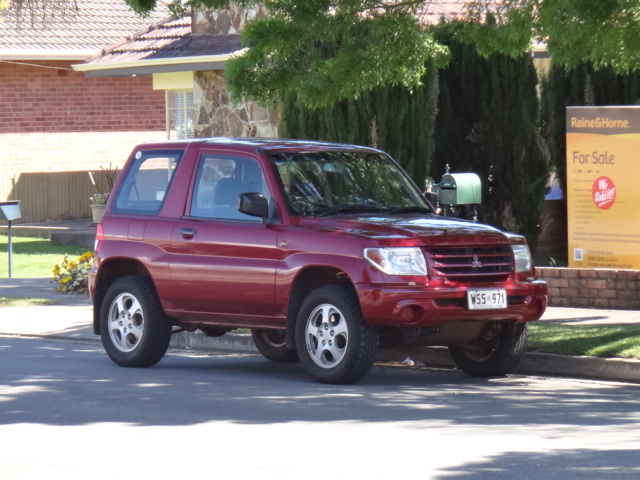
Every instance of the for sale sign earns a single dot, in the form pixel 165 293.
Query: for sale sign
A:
pixel 603 187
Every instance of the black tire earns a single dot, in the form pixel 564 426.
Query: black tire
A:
pixel 334 343
pixel 134 329
pixel 273 346
pixel 499 355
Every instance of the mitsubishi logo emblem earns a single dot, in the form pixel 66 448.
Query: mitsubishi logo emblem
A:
pixel 476 263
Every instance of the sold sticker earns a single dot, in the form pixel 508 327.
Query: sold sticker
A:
pixel 603 193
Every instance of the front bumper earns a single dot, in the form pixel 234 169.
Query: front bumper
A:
pixel 421 306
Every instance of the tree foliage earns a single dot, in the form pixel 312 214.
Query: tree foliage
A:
pixel 327 50
pixel 331 50
pixel 605 33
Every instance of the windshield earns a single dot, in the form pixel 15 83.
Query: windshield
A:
pixel 333 182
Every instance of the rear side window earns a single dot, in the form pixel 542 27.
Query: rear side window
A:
pixel 219 183
pixel 146 182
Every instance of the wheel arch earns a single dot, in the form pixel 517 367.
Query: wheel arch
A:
pixel 307 280
pixel 110 270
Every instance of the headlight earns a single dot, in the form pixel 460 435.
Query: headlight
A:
pixel 522 257
pixel 397 261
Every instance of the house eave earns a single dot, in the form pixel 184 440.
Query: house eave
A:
pixel 161 65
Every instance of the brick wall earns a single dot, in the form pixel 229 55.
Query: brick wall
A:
pixel 49 102
pixel 53 97
pixel 56 120
pixel 597 288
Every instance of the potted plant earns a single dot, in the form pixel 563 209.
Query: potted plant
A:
pixel 98 201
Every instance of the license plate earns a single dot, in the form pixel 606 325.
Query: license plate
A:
pixel 485 299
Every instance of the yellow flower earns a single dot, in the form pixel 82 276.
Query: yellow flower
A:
pixel 85 257
pixel 71 275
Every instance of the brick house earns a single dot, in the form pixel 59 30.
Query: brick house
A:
pixel 186 58
pixel 56 124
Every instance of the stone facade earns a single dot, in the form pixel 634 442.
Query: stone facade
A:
pixel 215 114
pixel 225 21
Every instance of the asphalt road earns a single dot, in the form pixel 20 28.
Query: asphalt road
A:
pixel 67 412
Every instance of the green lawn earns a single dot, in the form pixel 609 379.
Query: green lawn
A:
pixel 34 257
pixel 621 341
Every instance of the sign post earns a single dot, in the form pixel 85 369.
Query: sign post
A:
pixel 10 210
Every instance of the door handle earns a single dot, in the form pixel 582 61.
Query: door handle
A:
pixel 187 233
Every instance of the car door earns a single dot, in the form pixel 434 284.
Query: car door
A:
pixel 223 262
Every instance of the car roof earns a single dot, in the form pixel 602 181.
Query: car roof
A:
pixel 270 144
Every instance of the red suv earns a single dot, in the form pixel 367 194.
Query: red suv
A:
pixel 326 252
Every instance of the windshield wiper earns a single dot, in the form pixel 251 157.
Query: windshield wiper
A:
pixel 348 209
pixel 411 209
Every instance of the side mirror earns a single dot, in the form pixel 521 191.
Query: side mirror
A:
pixel 254 204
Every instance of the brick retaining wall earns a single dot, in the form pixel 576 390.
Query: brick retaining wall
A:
pixel 597 288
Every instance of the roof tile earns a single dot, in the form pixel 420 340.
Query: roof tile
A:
pixel 95 25
pixel 171 39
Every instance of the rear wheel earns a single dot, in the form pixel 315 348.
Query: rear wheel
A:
pixel 272 345
pixel 334 343
pixel 495 354
pixel 134 329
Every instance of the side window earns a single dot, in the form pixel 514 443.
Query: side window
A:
pixel 146 182
pixel 220 181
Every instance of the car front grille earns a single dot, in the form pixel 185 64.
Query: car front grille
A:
pixel 471 264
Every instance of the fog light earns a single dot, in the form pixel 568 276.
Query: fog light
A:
pixel 412 314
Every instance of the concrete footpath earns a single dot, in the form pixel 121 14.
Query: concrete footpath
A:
pixel 69 317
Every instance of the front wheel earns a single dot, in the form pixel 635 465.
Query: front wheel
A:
pixel 272 344
pixel 495 354
pixel 134 328
pixel 334 343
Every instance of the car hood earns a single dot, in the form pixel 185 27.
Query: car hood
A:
pixel 398 229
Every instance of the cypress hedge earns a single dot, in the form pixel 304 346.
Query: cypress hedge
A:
pixel 488 124
pixel 580 86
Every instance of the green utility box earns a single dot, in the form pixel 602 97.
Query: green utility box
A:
pixel 460 189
